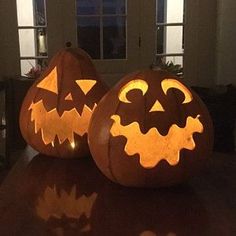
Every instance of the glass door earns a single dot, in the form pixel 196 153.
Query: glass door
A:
pixel 101 28
pixel 118 34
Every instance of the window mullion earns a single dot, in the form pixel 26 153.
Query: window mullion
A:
pixel 170 24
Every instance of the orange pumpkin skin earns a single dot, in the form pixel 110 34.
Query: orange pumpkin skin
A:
pixel 56 111
pixel 151 132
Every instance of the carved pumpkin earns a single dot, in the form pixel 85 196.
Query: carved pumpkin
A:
pixel 56 111
pixel 150 130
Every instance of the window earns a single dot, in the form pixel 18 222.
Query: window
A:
pixel 170 30
pixel 101 28
pixel 32 27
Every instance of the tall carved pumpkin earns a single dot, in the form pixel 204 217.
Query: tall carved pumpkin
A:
pixel 56 111
pixel 150 130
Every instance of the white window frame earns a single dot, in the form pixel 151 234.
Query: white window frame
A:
pixel 166 24
pixel 44 27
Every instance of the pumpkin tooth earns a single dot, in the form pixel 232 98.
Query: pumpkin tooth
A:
pixel 47 122
pixel 72 144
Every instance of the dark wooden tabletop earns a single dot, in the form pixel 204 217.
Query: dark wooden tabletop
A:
pixel 48 196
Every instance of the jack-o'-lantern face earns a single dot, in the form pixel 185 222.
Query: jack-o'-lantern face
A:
pixel 156 122
pixel 151 146
pixel 50 123
pixel 60 104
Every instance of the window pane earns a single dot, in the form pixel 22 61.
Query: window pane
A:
pixel 114 37
pixel 88 31
pixel 32 42
pixel 160 40
pixel 25 12
pixel 88 7
pixel 170 11
pixel 33 67
pixel 176 60
pixel 174 39
pixel 40 18
pixel 43 63
pixel 170 39
pixel 41 42
pixel 114 6
pixel 26 66
pixel 27 42
pixel 160 11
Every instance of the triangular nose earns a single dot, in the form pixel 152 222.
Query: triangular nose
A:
pixel 157 107
pixel 68 97
pixel 50 82
pixel 86 85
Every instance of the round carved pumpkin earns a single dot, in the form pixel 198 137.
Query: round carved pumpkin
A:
pixel 150 130
pixel 57 109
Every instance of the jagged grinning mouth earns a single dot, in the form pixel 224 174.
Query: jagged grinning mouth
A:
pixel 152 147
pixel 51 124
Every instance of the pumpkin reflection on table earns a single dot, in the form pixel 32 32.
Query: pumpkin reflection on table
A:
pixel 71 197
pixel 62 193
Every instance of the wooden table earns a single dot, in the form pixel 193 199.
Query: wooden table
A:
pixel 48 196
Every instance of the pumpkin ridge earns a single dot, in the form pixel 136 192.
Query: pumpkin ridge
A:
pixel 60 83
pixel 181 110
pixel 109 150
pixel 33 99
pixel 138 73
pixel 144 126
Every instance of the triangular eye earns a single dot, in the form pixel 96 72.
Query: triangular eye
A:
pixel 86 84
pixel 50 82
pixel 157 107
